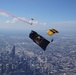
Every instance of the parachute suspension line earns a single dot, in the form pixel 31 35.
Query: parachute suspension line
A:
pixel 15 17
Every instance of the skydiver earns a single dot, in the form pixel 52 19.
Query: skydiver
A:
pixel 51 40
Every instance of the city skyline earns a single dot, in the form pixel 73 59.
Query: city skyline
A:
pixel 19 56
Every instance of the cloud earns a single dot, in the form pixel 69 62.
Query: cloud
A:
pixel 4 14
pixel 35 22
pixel 23 18
pixel 14 20
pixel 65 23
pixel 44 24
pixel 65 26
pixel 18 19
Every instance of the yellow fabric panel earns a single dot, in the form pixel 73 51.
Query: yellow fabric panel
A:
pixel 50 33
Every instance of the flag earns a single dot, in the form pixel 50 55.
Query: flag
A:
pixel 39 40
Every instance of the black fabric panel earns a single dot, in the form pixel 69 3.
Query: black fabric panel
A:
pixel 39 40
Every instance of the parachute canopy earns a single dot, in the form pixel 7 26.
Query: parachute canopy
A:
pixel 39 40
pixel 52 31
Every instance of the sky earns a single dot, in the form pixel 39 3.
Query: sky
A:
pixel 58 14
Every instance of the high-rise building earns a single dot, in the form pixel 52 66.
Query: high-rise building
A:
pixel 13 52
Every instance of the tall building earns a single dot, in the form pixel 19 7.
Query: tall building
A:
pixel 13 52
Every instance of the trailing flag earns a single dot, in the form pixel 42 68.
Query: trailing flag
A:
pixel 39 40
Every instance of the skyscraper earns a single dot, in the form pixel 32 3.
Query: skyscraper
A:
pixel 13 52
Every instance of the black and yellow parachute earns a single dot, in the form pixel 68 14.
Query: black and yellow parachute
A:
pixel 52 31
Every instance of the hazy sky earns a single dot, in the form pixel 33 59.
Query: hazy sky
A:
pixel 59 14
